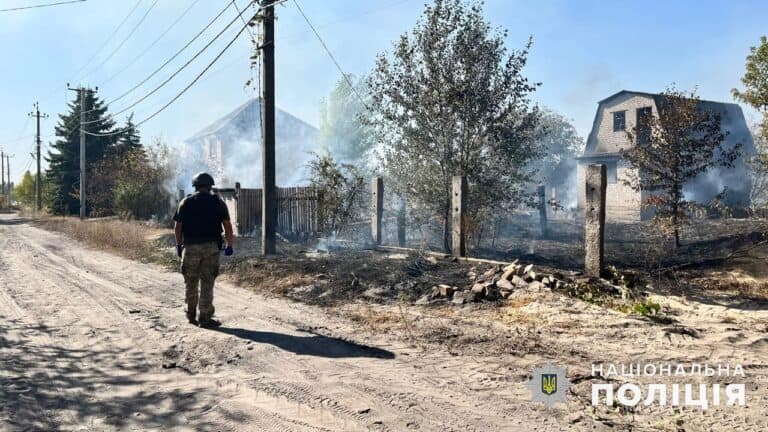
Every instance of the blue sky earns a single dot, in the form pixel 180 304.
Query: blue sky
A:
pixel 583 51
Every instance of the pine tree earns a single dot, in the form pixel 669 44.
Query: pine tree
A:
pixel 63 173
pixel 130 140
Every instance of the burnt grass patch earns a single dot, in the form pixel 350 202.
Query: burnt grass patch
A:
pixel 329 279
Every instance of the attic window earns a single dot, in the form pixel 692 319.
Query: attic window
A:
pixel 619 121
pixel 643 125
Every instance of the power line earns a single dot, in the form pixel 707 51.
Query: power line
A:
pixel 342 19
pixel 41 5
pixel 245 23
pixel 108 39
pixel 17 140
pixel 184 90
pixel 147 49
pixel 120 45
pixel 330 54
pixel 178 71
pixel 97 52
pixel 156 71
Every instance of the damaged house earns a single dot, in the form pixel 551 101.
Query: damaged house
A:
pixel 620 113
pixel 230 148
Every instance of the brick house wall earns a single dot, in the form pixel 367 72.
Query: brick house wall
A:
pixel 603 145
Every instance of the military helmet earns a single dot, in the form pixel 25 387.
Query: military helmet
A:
pixel 202 179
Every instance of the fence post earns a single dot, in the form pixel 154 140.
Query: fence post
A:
pixel 181 194
pixel 543 211
pixel 458 225
pixel 377 208
pixel 401 224
pixel 594 229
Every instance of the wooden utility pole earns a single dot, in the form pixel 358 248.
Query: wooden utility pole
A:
pixel 81 92
pixel 269 197
pixel 37 115
pixel 8 176
pixel 2 172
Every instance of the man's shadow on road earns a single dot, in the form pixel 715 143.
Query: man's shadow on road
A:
pixel 316 345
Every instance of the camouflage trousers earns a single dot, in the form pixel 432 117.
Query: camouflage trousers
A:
pixel 200 266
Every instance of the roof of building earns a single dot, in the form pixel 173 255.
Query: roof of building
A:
pixel 244 112
pixel 728 109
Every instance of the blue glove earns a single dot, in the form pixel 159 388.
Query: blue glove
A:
pixel 179 248
pixel 229 251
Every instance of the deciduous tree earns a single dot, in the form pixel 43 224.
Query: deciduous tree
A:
pixel 452 100
pixel 24 192
pixel 342 133
pixel 673 146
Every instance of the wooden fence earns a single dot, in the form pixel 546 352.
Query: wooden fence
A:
pixel 297 210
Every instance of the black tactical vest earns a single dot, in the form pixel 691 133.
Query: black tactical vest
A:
pixel 201 215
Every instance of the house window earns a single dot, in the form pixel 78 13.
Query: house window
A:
pixel 619 121
pixel 643 125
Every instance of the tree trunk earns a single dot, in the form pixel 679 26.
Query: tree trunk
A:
pixel 675 221
pixel 447 229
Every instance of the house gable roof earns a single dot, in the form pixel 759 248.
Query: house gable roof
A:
pixel 721 107
pixel 235 115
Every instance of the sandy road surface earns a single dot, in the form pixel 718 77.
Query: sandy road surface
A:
pixel 84 336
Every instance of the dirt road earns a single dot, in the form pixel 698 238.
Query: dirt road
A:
pixel 91 341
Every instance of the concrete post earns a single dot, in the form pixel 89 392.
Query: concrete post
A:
pixel 458 221
pixel 594 229
pixel 377 208
pixel 543 211
pixel 401 224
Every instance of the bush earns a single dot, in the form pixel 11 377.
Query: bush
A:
pixel 132 185
pixel 341 188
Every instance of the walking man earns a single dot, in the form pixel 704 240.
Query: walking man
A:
pixel 199 221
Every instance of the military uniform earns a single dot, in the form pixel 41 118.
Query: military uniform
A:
pixel 201 216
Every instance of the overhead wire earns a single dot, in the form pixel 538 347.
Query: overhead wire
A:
pixel 178 71
pixel 41 5
pixel 76 74
pixel 148 48
pixel 172 58
pixel 125 39
pixel 330 54
pixel 184 90
pixel 107 40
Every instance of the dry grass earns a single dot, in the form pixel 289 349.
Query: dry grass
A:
pixel 129 239
pixel 373 320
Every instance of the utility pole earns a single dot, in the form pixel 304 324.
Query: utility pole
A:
pixel 81 92
pixel 38 116
pixel 8 174
pixel 2 172
pixel 269 196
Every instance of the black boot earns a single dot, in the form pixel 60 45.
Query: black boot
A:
pixel 210 323
pixel 191 317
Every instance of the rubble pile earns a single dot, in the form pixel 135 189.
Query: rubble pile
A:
pixel 505 282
